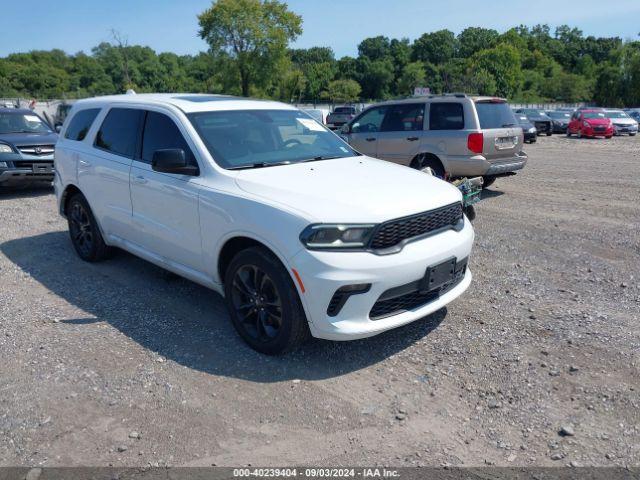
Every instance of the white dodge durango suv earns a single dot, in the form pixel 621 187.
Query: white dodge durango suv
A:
pixel 259 202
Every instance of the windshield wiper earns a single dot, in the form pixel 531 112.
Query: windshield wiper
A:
pixel 321 157
pixel 509 125
pixel 259 165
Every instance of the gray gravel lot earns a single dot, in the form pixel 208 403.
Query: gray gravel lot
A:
pixel 121 363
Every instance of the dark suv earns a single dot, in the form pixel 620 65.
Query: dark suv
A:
pixel 26 147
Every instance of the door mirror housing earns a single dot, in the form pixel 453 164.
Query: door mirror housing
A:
pixel 173 160
pixel 346 129
pixel 58 127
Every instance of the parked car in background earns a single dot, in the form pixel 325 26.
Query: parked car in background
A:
pixel 26 147
pixel 254 199
pixel 634 113
pixel 590 123
pixel 529 131
pixel 540 120
pixel 622 122
pixel 559 120
pixel 341 116
pixel 319 114
pixel 455 135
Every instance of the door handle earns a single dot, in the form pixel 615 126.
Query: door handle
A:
pixel 140 179
pixel 412 139
pixel 370 139
pixel 84 163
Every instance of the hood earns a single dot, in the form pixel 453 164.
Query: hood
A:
pixel 624 121
pixel 597 121
pixel 538 118
pixel 29 138
pixel 354 189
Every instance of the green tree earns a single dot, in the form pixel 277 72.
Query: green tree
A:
pixel 254 34
pixel 342 91
pixel 503 62
pixel 436 47
pixel 474 39
pixel 413 75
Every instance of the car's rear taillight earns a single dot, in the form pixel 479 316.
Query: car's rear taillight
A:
pixel 475 142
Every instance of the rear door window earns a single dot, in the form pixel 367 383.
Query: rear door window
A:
pixel 119 132
pixel 160 132
pixel 404 118
pixel 446 116
pixel 495 115
pixel 80 124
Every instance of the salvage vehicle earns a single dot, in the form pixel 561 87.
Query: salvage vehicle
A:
pixel 622 123
pixel 456 135
pixel 591 124
pixel 540 120
pixel 26 148
pixel 301 234
pixel 529 131
pixel 559 120
pixel 340 116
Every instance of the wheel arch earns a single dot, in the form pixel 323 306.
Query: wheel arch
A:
pixel 69 191
pixel 415 162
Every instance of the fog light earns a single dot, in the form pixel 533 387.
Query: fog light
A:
pixel 342 295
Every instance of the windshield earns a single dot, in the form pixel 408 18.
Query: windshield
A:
pixel 616 114
pixel 262 138
pixel 594 115
pixel 495 115
pixel 18 122
pixel 559 115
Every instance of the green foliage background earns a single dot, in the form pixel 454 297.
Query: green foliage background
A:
pixel 528 64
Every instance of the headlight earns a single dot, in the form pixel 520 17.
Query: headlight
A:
pixel 4 148
pixel 586 124
pixel 532 130
pixel 346 236
pixel 3 165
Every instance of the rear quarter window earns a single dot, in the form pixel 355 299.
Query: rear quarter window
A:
pixel 81 124
pixel 446 116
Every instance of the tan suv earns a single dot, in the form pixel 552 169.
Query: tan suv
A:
pixel 455 134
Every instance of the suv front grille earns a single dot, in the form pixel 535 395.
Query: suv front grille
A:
pixel 36 150
pixel 392 233
pixel 391 303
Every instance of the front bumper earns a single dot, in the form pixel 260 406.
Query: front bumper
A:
pixel 593 132
pixel 22 169
pixel 323 273
pixel 560 128
pixel 625 129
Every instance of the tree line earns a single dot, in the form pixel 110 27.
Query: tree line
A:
pixel 249 54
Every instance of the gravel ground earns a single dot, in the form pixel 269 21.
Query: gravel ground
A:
pixel 121 363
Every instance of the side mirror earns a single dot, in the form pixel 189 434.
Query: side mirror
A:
pixel 346 129
pixel 172 160
pixel 57 128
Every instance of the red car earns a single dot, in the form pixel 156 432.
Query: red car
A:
pixel 590 123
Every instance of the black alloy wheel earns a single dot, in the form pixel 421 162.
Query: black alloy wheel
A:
pixel 257 303
pixel 80 229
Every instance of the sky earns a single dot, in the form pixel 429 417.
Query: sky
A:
pixel 164 25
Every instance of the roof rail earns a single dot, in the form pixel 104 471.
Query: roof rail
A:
pixel 454 94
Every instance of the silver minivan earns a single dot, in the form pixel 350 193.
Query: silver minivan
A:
pixel 456 135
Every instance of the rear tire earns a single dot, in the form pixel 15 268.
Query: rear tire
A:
pixel 632 134
pixel 549 134
pixel 487 181
pixel 424 161
pixel 84 231
pixel 263 303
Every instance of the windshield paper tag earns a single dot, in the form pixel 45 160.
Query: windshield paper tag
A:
pixel 311 124
pixel 32 118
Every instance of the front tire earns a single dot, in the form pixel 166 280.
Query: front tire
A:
pixel 83 229
pixel 263 303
